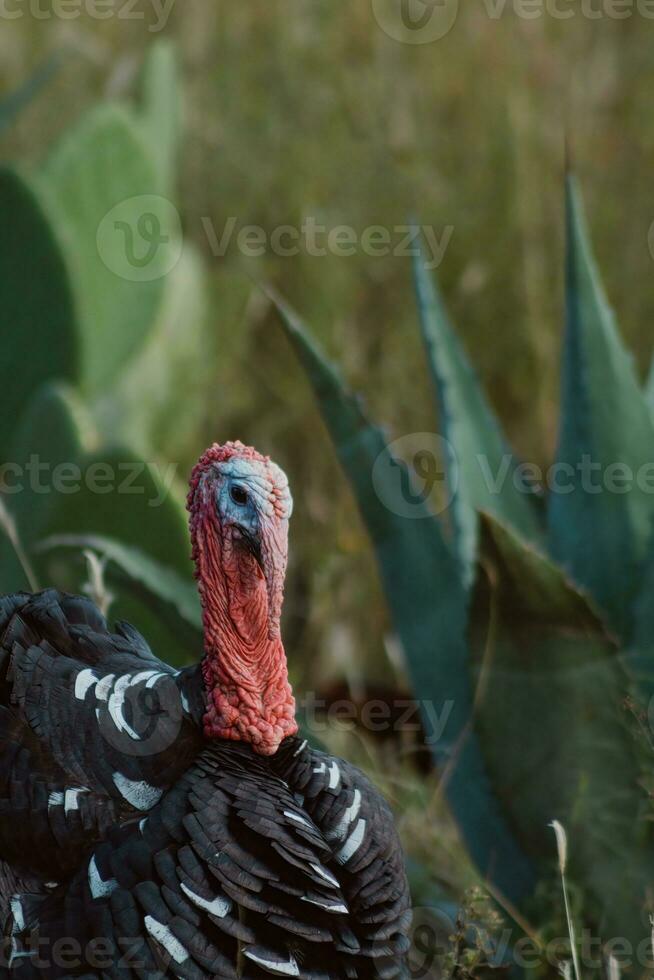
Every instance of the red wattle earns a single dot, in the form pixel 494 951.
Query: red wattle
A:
pixel 249 697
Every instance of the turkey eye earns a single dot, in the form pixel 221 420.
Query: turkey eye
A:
pixel 239 496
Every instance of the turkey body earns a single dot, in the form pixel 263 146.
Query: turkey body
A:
pixel 133 846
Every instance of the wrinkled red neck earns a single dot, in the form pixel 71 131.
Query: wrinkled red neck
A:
pixel 249 697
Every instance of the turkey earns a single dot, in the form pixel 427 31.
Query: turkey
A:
pixel 156 822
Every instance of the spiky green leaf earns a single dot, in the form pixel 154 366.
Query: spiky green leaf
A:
pixel 483 472
pixel 428 603
pixel 601 510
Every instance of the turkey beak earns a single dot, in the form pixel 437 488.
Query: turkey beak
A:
pixel 252 544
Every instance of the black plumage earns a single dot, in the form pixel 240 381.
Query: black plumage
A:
pixel 153 851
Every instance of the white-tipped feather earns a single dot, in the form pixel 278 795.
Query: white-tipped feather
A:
pixel 334 775
pixel 155 677
pixel 100 887
pixel 165 938
pixel 218 906
pixel 117 703
pixel 322 873
pixel 19 917
pixel 103 687
pixel 71 798
pixel 349 816
pixel 335 907
pixel 285 969
pixel 352 844
pixel 144 675
pixel 296 817
pixel 117 697
pixel 84 680
pixel 140 794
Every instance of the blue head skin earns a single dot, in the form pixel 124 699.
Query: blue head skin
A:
pixel 248 498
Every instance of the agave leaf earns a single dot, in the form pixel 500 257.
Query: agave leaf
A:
pixel 598 533
pixel 554 731
pixel 161 109
pixel 482 469
pixel 542 585
pixel 99 187
pixel 14 103
pixel 36 302
pixel 428 604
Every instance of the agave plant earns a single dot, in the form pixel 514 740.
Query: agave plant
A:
pixel 530 616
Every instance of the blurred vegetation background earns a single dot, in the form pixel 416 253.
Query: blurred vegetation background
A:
pixel 296 110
